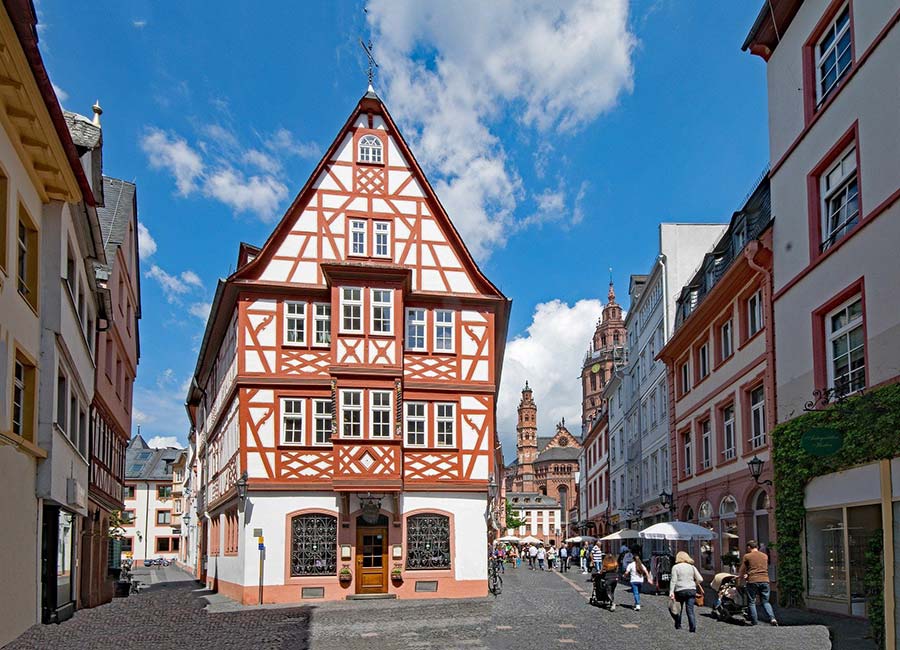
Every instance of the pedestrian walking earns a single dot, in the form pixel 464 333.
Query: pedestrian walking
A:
pixel 583 556
pixel 754 571
pixel 609 572
pixel 636 573
pixel 551 558
pixel 564 559
pixel 532 556
pixel 683 586
pixel 596 557
pixel 541 557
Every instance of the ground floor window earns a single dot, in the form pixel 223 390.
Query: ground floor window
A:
pixel 836 543
pixel 428 541
pixel 167 544
pixel 313 545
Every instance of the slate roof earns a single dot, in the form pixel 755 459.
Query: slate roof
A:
pixel 535 500
pixel 116 214
pixel 558 453
pixel 85 133
pixel 145 464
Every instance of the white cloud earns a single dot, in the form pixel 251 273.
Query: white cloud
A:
pixel 263 161
pixel 259 194
pixel 552 206
pixel 200 310
pixel 173 153
pixel 548 356
pixel 174 286
pixel 556 65
pixel 284 141
pixel 146 243
pixel 217 166
pixel 139 23
pixel 61 94
pixel 161 442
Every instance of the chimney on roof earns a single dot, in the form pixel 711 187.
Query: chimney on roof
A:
pixel 97 112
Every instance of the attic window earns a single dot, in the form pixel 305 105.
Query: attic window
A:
pixel 370 149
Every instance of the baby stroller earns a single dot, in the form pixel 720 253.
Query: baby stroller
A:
pixel 732 598
pixel 604 588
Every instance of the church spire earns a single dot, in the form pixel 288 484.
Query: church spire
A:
pixel 611 296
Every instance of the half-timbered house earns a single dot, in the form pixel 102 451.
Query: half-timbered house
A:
pixel 347 377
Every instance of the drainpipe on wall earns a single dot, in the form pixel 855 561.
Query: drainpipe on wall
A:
pixel 752 251
pixel 146 519
pixel 662 261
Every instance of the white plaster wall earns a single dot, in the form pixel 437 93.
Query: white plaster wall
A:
pixel 785 67
pixel 145 505
pixel 850 486
pixel 19 324
pixel 19 545
pixel 268 511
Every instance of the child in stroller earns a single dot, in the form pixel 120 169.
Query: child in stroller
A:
pixel 605 581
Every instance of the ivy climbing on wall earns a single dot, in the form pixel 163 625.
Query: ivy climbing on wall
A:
pixel 870 425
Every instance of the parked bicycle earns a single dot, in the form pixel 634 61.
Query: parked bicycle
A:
pixel 495 580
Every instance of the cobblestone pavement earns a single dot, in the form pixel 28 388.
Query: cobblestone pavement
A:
pixel 536 610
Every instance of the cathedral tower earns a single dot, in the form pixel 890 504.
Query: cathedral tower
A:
pixel 605 354
pixel 526 441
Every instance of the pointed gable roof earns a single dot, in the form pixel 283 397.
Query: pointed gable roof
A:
pixel 369 105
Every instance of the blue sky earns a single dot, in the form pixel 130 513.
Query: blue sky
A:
pixel 558 135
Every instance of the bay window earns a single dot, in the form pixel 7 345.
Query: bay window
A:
pixel 292 421
pixel 380 407
pixel 415 329
pixel 382 321
pixel 322 421
pixel 351 413
pixel 415 424
pixel 351 310
pixel 322 324
pixel 446 424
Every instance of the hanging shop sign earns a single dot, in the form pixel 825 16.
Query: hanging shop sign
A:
pixel 822 441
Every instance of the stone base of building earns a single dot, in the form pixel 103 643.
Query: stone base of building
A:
pixel 437 587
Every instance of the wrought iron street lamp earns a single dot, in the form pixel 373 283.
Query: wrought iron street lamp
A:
pixel 755 465
pixel 667 499
pixel 241 486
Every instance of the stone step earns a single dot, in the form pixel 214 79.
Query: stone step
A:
pixel 370 596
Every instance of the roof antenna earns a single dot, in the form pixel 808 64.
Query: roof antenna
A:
pixel 367 48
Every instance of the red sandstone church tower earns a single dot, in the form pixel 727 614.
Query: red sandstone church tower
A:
pixel 526 441
pixel 606 353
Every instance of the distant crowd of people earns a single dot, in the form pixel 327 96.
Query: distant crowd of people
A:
pixel 682 580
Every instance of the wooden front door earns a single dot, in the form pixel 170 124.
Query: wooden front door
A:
pixel 371 560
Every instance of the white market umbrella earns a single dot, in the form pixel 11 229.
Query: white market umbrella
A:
pixel 578 539
pixel 530 540
pixel 508 538
pixel 677 531
pixel 625 533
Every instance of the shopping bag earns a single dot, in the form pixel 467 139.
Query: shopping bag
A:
pixel 674 608
pixel 700 597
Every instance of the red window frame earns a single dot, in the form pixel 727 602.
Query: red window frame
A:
pixel 810 58
pixel 814 193
pixel 820 339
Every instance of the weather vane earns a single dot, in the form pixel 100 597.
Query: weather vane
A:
pixel 367 48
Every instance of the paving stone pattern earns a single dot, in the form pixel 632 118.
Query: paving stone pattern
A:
pixel 537 610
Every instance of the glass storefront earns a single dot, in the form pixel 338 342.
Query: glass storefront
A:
pixel 836 543
pixel 728 535
pixel 64 553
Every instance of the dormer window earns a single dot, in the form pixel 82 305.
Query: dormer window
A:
pixel 370 149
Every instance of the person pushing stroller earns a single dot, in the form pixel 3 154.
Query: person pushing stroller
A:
pixel 605 581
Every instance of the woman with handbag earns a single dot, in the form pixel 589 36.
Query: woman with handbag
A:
pixel 683 587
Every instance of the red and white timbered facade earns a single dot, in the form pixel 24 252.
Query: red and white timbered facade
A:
pixel 350 368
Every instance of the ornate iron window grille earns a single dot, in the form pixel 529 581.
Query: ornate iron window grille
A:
pixel 428 542
pixel 313 545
